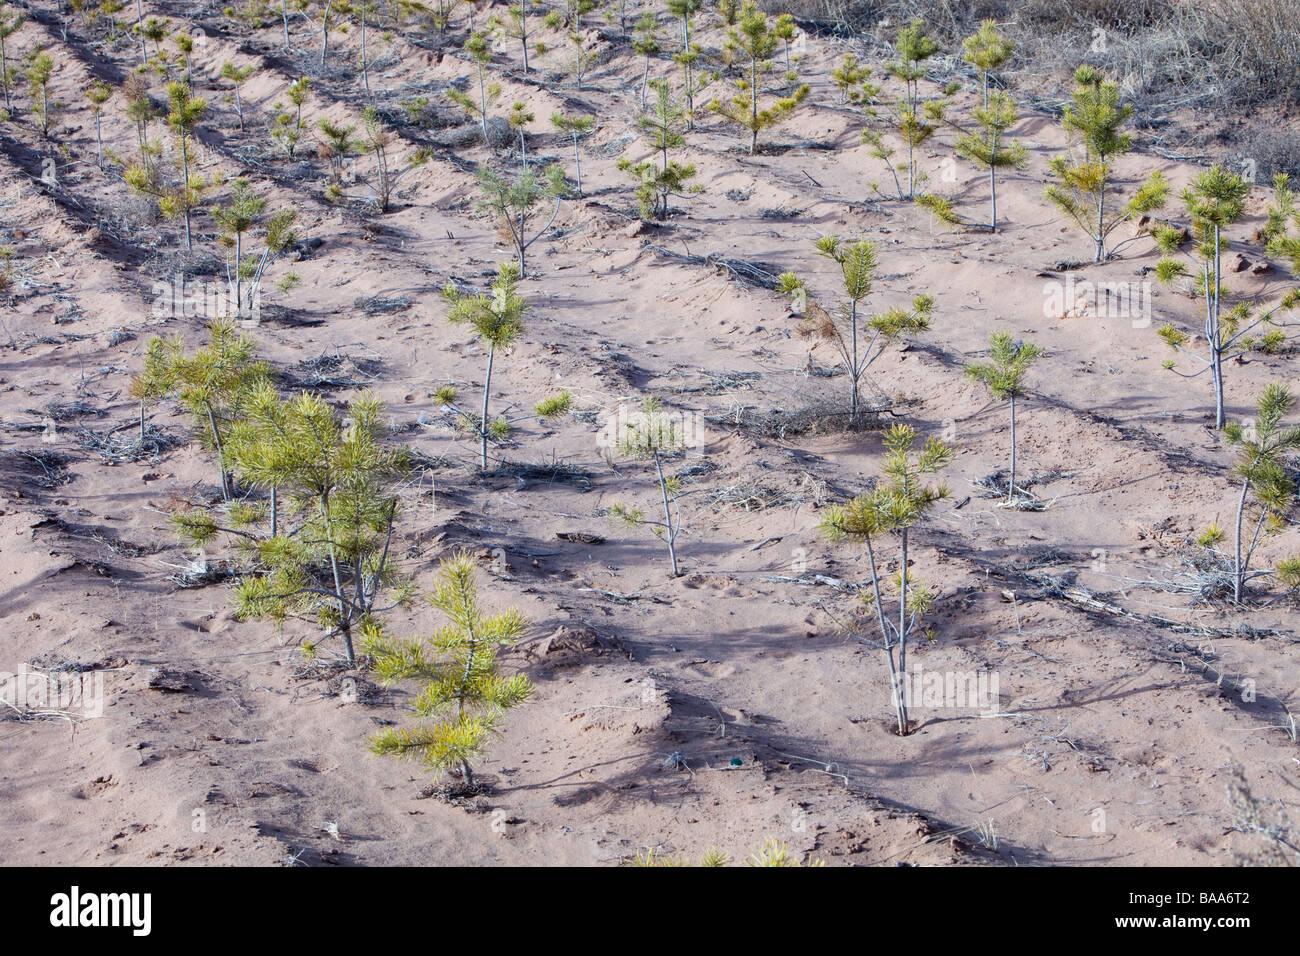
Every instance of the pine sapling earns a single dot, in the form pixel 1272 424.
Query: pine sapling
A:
pixel 156 30
pixel 899 502
pixel 575 127
pixel 183 116
pixel 476 107
pixel 335 144
pixel 245 268
pixel 519 117
pixel 853 80
pixel 664 127
pixel 1281 233
pixel 511 201
pixel 235 76
pixel 497 318
pixel 1096 119
pixel 185 46
pixel 10 23
pixel 859 339
pixel 213 385
pixel 913 48
pixel 1004 375
pixel 98 94
pixel 751 43
pixel 646 44
pixel 987 146
pixel 689 54
pixel 652 435
pixel 515 25
pixel 1214 201
pixel 40 69
pixel 287 126
pixel 463 695
pixel 330 561
pixel 1262 468
pixel 378 140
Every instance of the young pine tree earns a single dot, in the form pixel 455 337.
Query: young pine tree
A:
pixel 287 127
pixel 515 24
pixel 463 694
pixel 987 146
pixel 235 76
pixel 497 318
pixel 853 80
pixel 10 23
pixel 40 69
pixel 183 116
pixel 1096 119
pixel 335 144
pixel 1214 200
pixel 329 564
pixel 1261 466
pixel 898 503
pixel 1281 233
pixel 1004 375
pixel 378 141
pixel 476 107
pixel 859 339
pixel 244 268
pixel 664 126
pixel 689 54
pixel 98 94
pixel 213 385
pixel 653 436
pixel 519 118
pixel 575 127
pixel 511 203
pixel 185 46
pixel 646 44
pixel 751 43
pixel 917 122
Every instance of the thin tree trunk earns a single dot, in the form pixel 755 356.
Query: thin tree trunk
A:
pixel 523 31
pixel 365 69
pixel 221 455
pixel 900 704
pixel 753 105
pixel 482 107
pixel 853 371
pixel 902 611
pixel 1239 573
pixel 669 534
pixel 577 163
pixel 1216 345
pixel 1100 252
pixel 325 35
pixel 185 164
pixel 139 26
pixel 483 424
pixel 993 198
pixel 1011 486
pixel 345 618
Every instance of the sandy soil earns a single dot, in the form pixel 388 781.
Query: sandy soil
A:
pixel 1114 736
